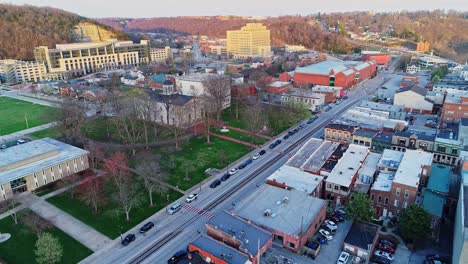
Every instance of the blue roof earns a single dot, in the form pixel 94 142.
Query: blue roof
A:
pixel 433 203
pixel 159 78
pixel 242 230
pixel 323 68
pixel 439 179
pixel 218 249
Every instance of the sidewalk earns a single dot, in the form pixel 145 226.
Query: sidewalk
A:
pixel 81 232
pixel 22 133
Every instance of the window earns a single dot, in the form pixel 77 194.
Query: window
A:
pixel 380 199
pixel 396 203
pixel 291 245
pixel 386 200
pixel 336 187
pixel 406 194
pixel 397 192
pixel 372 197
pixel 454 151
pixel 35 175
pixel 441 149
pixel 405 204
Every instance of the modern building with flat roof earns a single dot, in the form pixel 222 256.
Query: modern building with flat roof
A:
pixel 239 234
pixel 252 40
pixel 216 251
pixel 292 216
pixel 31 165
pixel 293 178
pixel 340 182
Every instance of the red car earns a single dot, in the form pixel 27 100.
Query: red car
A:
pixel 386 248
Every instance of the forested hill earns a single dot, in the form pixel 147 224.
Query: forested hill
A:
pixel 24 27
pixel 284 30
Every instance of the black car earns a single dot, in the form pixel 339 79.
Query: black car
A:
pixel 145 228
pixel 128 239
pixel 345 97
pixel 243 165
pixel 177 256
pixel 225 176
pixel 272 146
pixel 262 152
pixel 215 183
pixel 379 260
pixel 310 121
pixel 296 130
pixel 286 137
pixel 277 142
pixel 290 132
pixel 340 217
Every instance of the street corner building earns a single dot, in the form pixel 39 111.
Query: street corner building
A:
pixel 29 166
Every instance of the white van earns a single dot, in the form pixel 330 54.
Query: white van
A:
pixel 174 209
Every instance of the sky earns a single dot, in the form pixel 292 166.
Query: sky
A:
pixel 168 8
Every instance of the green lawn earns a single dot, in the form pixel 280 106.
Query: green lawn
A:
pixel 20 247
pixel 240 136
pixel 105 221
pixel 202 156
pixel 51 132
pixel 13 115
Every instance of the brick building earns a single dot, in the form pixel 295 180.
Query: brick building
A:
pixel 331 92
pixel 217 252
pixel 339 133
pixel 382 59
pixel 454 109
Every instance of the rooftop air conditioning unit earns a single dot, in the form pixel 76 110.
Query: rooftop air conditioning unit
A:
pixel 285 199
pixel 267 212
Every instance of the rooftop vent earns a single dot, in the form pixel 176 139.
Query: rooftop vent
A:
pixel 285 199
pixel 267 212
pixel 350 168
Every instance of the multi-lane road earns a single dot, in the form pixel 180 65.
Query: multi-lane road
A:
pixel 174 232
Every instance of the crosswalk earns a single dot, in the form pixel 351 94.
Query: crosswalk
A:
pixel 195 210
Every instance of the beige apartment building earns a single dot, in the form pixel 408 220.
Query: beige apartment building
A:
pixel 252 40
pixel 84 58
pixel 160 55
pixel 12 71
pixel 31 165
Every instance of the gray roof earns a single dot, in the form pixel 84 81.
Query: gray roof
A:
pixel 382 107
pixel 365 133
pixel 215 248
pixel 323 68
pixel 285 216
pixel 419 135
pixel 176 99
pixel 52 152
pixel 247 234
pixel 384 137
pixel 361 234
pixel 415 88
pixel 304 152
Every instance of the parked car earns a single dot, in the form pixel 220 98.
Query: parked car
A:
pixel 326 234
pixel 177 256
pixel 277 142
pixel 380 260
pixel 340 217
pixel 262 152
pixel 286 137
pixel 128 239
pixel 233 171
pixel 243 165
pixel 3 146
pixel 386 248
pixel 256 156
pixel 225 176
pixel 340 211
pixel 388 242
pixel 215 183
pixel 296 130
pixel 272 146
pixel 345 97
pixel 20 141
pixel 192 197
pixel 334 219
pixel 146 227
pixel 343 258
pixel 248 161
pixel 321 239
pixel 174 209
pixel 331 223
pixel 383 254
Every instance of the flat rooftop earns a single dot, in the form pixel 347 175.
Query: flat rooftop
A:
pixel 409 171
pixel 219 249
pixel 384 181
pixel 21 160
pixel 278 84
pixel 316 161
pixel 439 179
pixel 370 165
pixel 347 167
pixel 198 77
pixel 242 230
pixel 289 209
pixel 324 88
pixel 323 68
pixel 361 234
pixel 304 153
pixel 296 179
pixel 381 107
pixel 390 159
pixel 304 93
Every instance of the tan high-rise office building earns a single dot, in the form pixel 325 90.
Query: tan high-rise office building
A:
pixel 252 40
pixel 84 58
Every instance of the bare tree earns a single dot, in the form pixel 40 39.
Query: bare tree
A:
pixel 71 181
pixel 150 172
pixel 37 224
pixel 95 154
pixel 217 92
pixel 254 117
pixel 71 118
pixel 127 121
pixel 9 205
pixel 91 191
pixel 222 158
pixel 187 165
pixel 147 112
pixel 128 197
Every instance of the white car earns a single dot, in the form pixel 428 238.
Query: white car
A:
pixel 343 258
pixel 330 223
pixel 256 156
pixel 383 254
pixel 326 234
pixel 233 171
pixel 192 197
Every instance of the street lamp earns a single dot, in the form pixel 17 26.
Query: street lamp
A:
pixel 121 236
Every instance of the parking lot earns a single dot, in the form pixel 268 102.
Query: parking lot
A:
pixel 329 252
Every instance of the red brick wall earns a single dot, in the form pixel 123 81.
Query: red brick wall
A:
pixel 344 81
pixel 285 77
pixel 401 198
pixel 459 111
pixel 379 206
pixel 312 79
pixel 378 58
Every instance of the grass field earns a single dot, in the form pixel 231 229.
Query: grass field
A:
pixel 106 221
pixel 240 136
pixel 13 114
pixel 20 247
pixel 51 132
pixel 202 156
